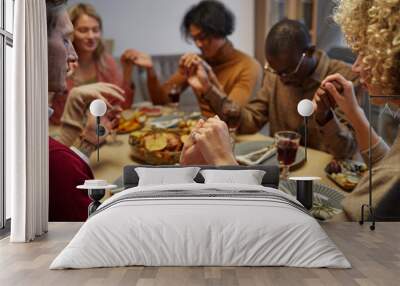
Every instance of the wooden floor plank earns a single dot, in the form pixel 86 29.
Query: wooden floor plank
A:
pixel 375 258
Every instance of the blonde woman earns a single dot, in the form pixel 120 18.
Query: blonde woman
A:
pixel 95 64
pixel 372 30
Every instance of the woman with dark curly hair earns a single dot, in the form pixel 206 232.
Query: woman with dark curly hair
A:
pixel 220 68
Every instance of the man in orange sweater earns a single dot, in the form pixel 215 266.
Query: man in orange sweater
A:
pixel 220 68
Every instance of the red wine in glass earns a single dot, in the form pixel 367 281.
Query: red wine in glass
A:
pixel 233 122
pixel 287 143
pixel 287 151
pixel 231 115
pixel 174 94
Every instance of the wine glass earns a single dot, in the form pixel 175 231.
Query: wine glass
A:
pixel 231 114
pixel 287 143
pixel 173 95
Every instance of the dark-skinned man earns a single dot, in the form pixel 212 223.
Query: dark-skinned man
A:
pixel 294 71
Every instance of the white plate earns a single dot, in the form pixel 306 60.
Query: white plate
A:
pixel 171 120
pixel 244 148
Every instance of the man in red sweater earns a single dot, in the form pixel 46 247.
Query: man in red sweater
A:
pixel 66 171
pixel 68 167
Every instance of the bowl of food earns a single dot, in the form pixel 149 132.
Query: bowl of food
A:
pixel 130 121
pixel 157 146
pixel 186 125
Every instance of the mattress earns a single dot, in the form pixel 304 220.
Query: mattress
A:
pixel 201 225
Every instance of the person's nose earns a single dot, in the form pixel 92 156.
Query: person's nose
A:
pixel 72 55
pixel 90 34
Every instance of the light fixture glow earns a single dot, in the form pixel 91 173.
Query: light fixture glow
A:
pixel 305 108
pixel 98 107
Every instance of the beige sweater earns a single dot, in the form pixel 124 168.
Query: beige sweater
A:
pixel 276 103
pixel 385 179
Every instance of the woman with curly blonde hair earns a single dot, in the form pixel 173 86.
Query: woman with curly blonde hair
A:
pixel 372 29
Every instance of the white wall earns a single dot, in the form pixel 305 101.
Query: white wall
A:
pixel 153 25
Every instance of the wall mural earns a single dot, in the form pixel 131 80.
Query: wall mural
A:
pixel 210 106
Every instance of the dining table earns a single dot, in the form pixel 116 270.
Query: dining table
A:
pixel 115 153
pixel 114 156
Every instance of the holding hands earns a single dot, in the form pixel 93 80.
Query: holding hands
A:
pixel 209 143
pixel 101 90
pixel 189 62
pixel 336 91
pixel 197 72
pixel 191 155
pixel 80 97
pixel 76 120
pixel 133 57
pixel 110 122
pixel 346 100
pixel 89 132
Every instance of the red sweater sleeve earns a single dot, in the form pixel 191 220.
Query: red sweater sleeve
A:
pixel 66 171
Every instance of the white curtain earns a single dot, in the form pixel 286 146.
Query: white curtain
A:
pixel 26 124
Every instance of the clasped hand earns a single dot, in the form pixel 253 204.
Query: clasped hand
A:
pixel 109 122
pixel 208 143
pixel 79 99
pixel 335 91
pixel 134 57
pixel 197 72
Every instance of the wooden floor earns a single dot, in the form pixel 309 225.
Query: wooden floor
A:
pixel 375 257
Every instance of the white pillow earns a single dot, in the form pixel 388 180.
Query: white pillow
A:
pixel 166 176
pixel 247 177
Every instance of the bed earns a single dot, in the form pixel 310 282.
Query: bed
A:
pixel 201 224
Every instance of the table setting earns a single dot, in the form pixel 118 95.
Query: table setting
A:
pixel 155 135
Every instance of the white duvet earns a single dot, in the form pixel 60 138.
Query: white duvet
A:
pixel 188 231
